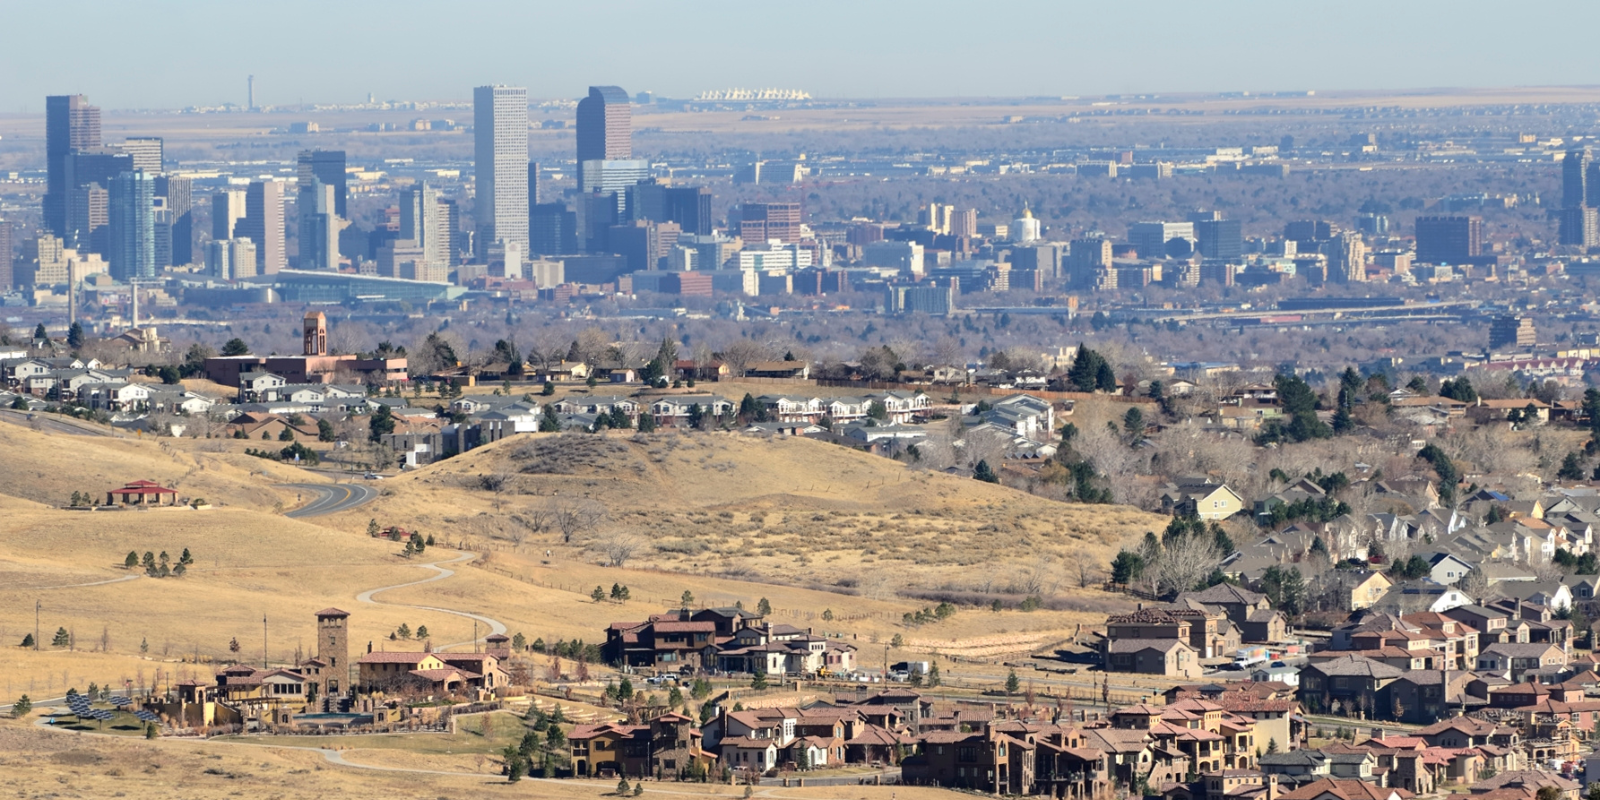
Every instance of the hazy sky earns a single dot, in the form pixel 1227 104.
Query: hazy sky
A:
pixel 171 53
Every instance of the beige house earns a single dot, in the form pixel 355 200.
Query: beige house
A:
pixel 1168 657
pixel 1201 498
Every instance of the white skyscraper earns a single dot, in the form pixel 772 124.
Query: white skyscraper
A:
pixel 500 118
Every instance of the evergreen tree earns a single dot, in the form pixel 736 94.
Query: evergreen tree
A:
pixel 1571 468
pixel 985 473
pixel 131 561
pixel 598 594
pixel 764 608
pixel 236 347
pixel 62 638
pixel 1133 423
pixel 75 337
pixel 1013 684
pixel 22 707
pixel 39 334
pixel 381 423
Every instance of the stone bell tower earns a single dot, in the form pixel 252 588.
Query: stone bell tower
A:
pixel 333 647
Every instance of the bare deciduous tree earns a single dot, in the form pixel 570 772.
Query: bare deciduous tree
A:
pixel 1185 562
pixel 617 545
pixel 573 516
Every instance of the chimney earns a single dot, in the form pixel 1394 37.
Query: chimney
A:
pixel 369 645
pixel 1272 787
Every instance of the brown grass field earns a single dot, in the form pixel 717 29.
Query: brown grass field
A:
pixel 46 763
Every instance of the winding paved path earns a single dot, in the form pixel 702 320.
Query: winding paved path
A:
pixel 331 498
pixel 495 626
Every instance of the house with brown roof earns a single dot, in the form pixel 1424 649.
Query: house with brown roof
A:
pixel 987 761
pixel 1169 657
pixel 1331 789
pixel 669 745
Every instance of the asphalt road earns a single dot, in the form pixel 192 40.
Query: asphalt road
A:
pixel 330 498
pixel 490 625
pixel 52 424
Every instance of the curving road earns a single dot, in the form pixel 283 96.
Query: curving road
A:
pixel 51 423
pixel 331 498
pixel 495 626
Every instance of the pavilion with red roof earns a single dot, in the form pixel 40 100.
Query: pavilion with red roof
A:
pixel 140 493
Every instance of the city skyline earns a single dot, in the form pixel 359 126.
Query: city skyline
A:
pixel 1034 49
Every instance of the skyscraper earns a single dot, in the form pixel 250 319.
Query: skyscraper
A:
pixel 227 208
pixel 1449 240
pixel 263 224
pixel 500 168
pixel 1219 238
pixel 1575 177
pixel 179 192
pixel 533 183
pixel 689 206
pixel 326 166
pixel 88 173
pixel 613 177
pixel 319 226
pixel 419 222
pixel 1580 195
pixel 70 124
pixel 552 230
pixel 759 222
pixel 132 244
pixel 6 279
pixel 149 152
pixel 605 127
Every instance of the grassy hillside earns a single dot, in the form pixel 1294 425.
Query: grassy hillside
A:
pixel 817 530
pixel 789 511
pixel 46 468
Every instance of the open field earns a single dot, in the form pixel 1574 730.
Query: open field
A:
pixel 789 511
pixel 46 469
pixel 819 531
pixel 68 765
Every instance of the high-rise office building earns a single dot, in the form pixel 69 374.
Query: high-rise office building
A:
pixel 552 230
pixel 179 192
pixel 1088 257
pixel 1449 240
pixel 419 222
pixel 1347 257
pixel 613 177
pixel 132 240
pixel 7 279
pixel 88 174
pixel 449 229
pixel 1162 239
pixel 533 183
pixel 964 224
pixel 1219 238
pixel 605 127
pixel 1512 331
pixel 327 166
pixel 595 214
pixel 760 222
pixel 500 168
pixel 227 208
pixel 148 152
pixel 689 206
pixel 87 215
pixel 263 225
pixel 319 226
pixel 70 124
pixel 1580 225
pixel 1575 189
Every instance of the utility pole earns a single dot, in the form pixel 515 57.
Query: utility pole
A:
pixel 263 641
pixel 37 604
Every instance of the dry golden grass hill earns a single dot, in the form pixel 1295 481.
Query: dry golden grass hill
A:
pixel 46 468
pixel 834 539
pixel 46 763
pixel 782 511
